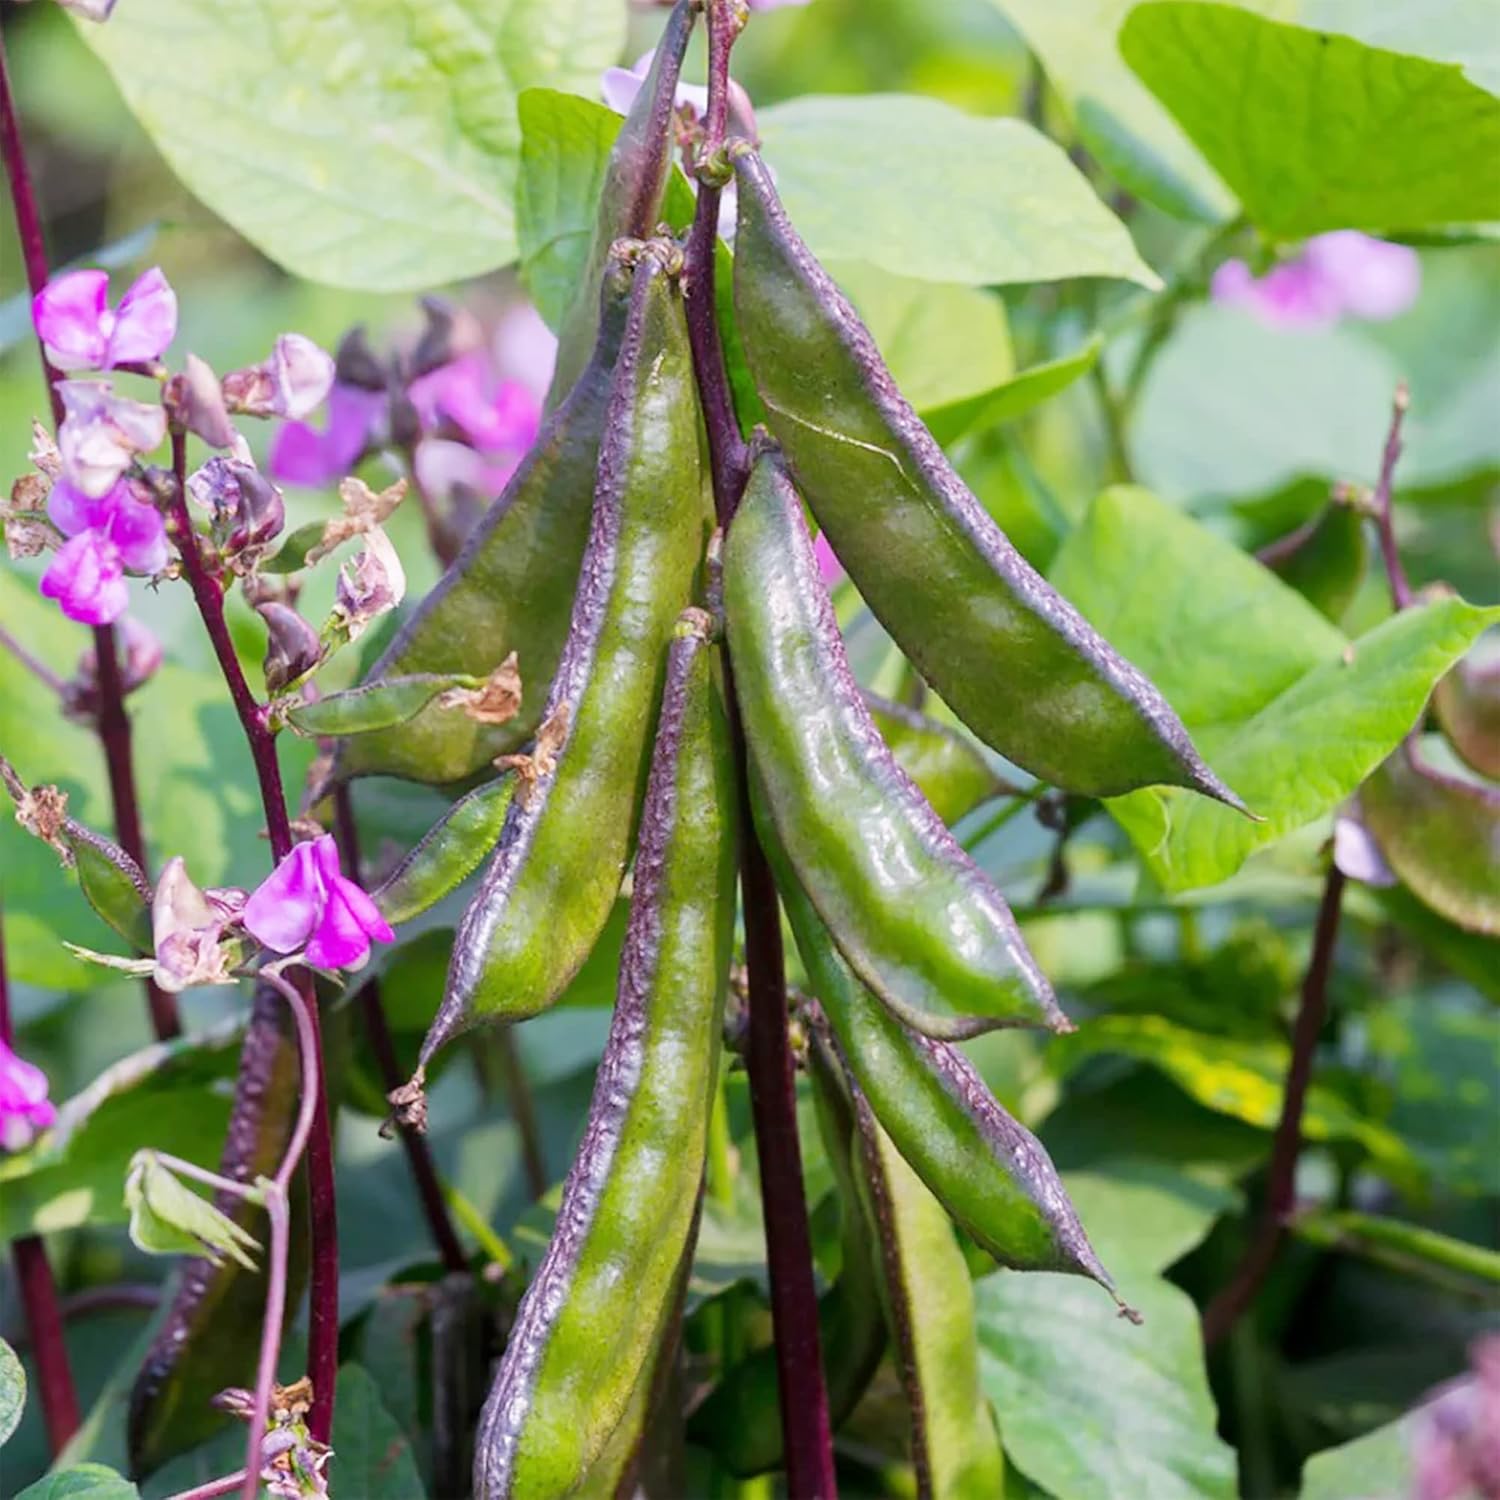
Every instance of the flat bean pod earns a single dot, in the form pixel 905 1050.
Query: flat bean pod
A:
pixel 508 590
pixel 920 922
pixel 593 1315
pixel 563 848
pixel 1016 661
pixel 928 1300
pixel 948 769
pixel 987 1170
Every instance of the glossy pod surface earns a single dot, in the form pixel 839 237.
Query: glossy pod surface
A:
pixel 916 917
pixel 563 847
pixel 508 590
pixel 948 769
pixel 596 1310
pixel 928 1300
pixel 1016 661
pixel 989 1172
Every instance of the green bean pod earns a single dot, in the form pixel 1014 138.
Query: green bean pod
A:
pixel 949 769
pixel 987 1170
pixel 209 1336
pixel 630 199
pixel 1467 705
pixel 920 922
pixel 508 590
pixel 928 1300
pixel 563 848
pixel 1019 665
pixel 594 1313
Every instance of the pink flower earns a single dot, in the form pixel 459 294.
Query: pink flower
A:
pixel 24 1106
pixel 293 382
pixel 78 330
pixel 1343 274
pixel 619 86
pixel 307 901
pixel 829 566
pixel 445 469
pixel 108 535
pixel 300 454
pixel 102 433
pixel 773 4
pixel 494 415
pixel 90 10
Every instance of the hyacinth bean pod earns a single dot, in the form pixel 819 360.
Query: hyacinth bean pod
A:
pixel 1019 665
pixel 448 853
pixel 949 770
pixel 987 1170
pixel 928 1301
pixel 1467 705
pixel 630 199
pixel 508 590
pixel 215 1313
pixel 565 842
pixel 916 917
pixel 594 1315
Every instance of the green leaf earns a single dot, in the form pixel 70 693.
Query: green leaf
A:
pixel 1377 1466
pixel 1245 1079
pixel 1324 559
pixel 943 343
pixel 1300 721
pixel 12 1391
pixel 169 1096
pixel 1011 398
pixel 375 705
pixel 1298 122
pixel 371 144
pixel 374 1456
pixel 168 1218
pixel 922 190
pixel 292 553
pixel 1134 139
pixel 1092 1407
pixel 85 1482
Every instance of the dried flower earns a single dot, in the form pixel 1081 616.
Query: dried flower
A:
pixel 372 583
pixel 498 701
pixel 307 902
pixel 79 331
pixel 293 382
pixel 24 1106
pixel 102 433
pixel 1343 274
pixel 187 930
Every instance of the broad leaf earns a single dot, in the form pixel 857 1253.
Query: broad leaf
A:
pixel 1132 135
pixel 374 1456
pixel 1013 397
pixel 1377 1466
pixel 1091 1406
pixel 922 190
pixel 12 1391
pixel 1300 720
pixel 1298 122
pixel 371 144
pixel 84 1482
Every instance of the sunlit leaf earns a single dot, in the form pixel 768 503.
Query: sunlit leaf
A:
pixel 168 1218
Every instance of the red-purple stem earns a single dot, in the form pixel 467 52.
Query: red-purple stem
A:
pixel 418 1157
pixel 1281 1178
pixel 806 1429
pixel 112 722
pixel 1384 521
pixel 323 1296
pixel 28 1255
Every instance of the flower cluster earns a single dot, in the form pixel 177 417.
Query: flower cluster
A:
pixel 24 1106
pixel 1338 275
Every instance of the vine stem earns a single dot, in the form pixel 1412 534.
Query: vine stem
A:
pixel 1384 522
pixel 1281 1185
pixel 323 1296
pixel 112 722
pixel 39 1297
pixel 418 1157
pixel 768 1058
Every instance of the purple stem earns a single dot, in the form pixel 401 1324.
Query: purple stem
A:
pixel 226 1485
pixel 54 1377
pixel 806 1429
pixel 1281 1183
pixel 113 723
pixel 323 1303
pixel 418 1157
pixel 1385 525
pixel 40 670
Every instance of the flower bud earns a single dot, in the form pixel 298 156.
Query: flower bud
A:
pixel 195 400
pixel 247 509
pixel 371 584
pixel 292 645
pixel 451 332
pixel 24 1107
pixel 356 364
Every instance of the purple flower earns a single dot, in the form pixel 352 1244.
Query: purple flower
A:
pixel 373 582
pixel 102 433
pixel 445 469
pixel 90 10
pixel 247 509
pixel 494 415
pixel 619 86
pixel 24 1106
pixel 307 902
pixel 79 332
pixel 300 454
pixel 829 565
pixel 107 535
pixel 1343 274
pixel 293 382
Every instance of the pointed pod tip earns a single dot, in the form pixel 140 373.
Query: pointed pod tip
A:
pixel 1129 1313
pixel 1204 780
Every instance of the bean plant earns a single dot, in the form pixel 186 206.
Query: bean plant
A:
pixel 747 911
